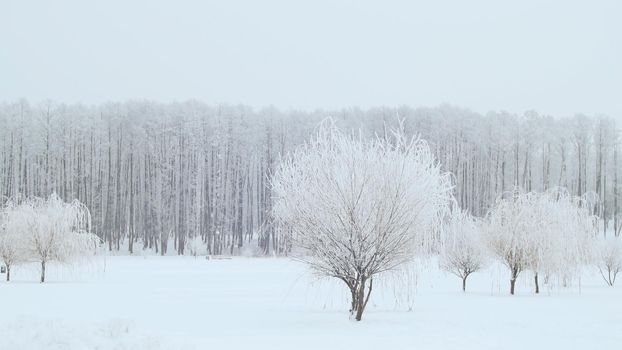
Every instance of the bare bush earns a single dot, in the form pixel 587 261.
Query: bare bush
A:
pixel 609 260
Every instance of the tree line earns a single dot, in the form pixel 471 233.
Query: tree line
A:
pixel 164 176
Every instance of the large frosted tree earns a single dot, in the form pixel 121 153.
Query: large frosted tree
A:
pixel 358 207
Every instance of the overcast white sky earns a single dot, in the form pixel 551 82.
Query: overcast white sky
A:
pixel 557 57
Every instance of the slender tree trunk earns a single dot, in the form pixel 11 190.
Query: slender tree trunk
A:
pixel 535 278
pixel 363 298
pixel 42 271
pixel 464 283
pixel 515 272
pixel 8 273
pixel 353 295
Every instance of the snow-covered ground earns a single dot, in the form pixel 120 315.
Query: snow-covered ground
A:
pixel 273 303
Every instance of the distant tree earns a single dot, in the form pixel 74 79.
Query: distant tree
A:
pixel 358 208
pixel 194 245
pixel 609 259
pixel 562 236
pixel 507 234
pixel 463 251
pixel 12 234
pixel 56 231
pixel 546 232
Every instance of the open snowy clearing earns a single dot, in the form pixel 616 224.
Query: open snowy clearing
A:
pixel 273 303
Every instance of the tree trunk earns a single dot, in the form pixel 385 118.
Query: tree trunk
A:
pixel 353 304
pixel 535 278
pixel 360 300
pixel 515 272
pixel 42 271
pixel 359 297
pixel 8 273
pixel 609 275
pixel 464 283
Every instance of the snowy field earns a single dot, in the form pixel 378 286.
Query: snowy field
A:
pixel 273 303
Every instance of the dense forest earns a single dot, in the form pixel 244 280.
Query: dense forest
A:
pixel 169 177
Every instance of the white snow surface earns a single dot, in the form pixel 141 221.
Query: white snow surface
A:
pixel 176 302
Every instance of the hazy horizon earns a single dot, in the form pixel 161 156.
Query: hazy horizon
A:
pixel 556 57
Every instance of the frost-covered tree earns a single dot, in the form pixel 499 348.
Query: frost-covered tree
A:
pixel 507 232
pixel 9 251
pixel 357 208
pixel 609 259
pixel 55 230
pixel 12 235
pixel 194 245
pixel 562 236
pixel 545 232
pixel 463 251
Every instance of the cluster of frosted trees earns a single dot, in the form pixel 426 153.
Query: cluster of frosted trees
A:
pixel 551 234
pixel 356 208
pixel 188 176
pixel 157 175
pixel 43 231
